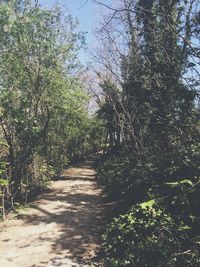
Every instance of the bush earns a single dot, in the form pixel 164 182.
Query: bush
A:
pixel 113 174
pixel 147 236
pixel 124 179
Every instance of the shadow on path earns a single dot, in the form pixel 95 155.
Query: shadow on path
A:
pixel 68 219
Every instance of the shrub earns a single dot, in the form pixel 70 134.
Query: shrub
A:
pixel 147 236
pixel 123 178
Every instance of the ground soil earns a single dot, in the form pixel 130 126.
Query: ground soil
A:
pixel 61 228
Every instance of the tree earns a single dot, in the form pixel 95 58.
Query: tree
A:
pixel 156 166
pixel 43 106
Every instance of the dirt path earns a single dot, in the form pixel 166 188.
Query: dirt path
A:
pixel 62 228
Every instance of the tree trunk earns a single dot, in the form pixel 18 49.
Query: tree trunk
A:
pixel 15 176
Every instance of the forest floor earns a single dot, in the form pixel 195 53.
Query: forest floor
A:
pixel 62 227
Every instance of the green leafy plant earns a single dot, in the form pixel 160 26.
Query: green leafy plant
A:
pixel 147 236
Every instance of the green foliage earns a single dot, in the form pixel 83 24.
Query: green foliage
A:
pixel 3 182
pixel 125 177
pixel 113 174
pixel 147 236
pixel 152 120
pixel 164 190
pixel 43 106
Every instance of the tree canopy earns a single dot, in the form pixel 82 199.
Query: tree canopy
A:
pixel 150 83
pixel 45 123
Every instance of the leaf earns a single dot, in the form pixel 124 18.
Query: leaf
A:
pixel 148 204
pixel 3 182
pixel 186 181
pixel 172 184
pixel 4 144
pixel 178 183
pixel 184 228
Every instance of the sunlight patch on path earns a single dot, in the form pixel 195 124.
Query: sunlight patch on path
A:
pixel 61 229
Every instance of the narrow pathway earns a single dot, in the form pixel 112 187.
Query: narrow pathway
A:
pixel 62 228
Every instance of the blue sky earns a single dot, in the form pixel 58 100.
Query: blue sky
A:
pixel 87 15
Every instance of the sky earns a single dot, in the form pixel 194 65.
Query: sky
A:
pixel 88 15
